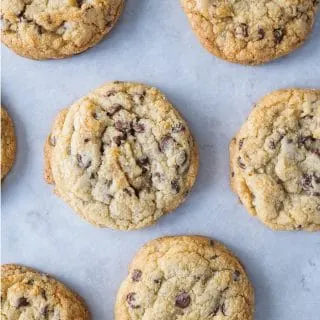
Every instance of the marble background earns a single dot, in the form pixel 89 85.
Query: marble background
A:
pixel 153 43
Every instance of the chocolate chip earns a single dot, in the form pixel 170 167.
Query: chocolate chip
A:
pixel 232 174
pixel 93 175
pixel 272 145
pixel 131 299
pixel 212 244
pixel 306 182
pixel 241 164
pixel 241 143
pixel 114 109
pixel 138 127
pixel 143 161
pixel 141 96
pixel 118 139
pixel 175 186
pixel 278 35
pixel 236 275
pixel 261 33
pixel 110 93
pixel 215 310
pixel 79 2
pixel 136 275
pixel 122 126
pixel 178 127
pixel 128 192
pixel 86 140
pixel 164 143
pixel 43 294
pixel 183 300
pixel 94 115
pixel 83 162
pixel 22 302
pixel 242 30
pixel 30 282
pixel 45 311
pixel 157 281
pixel 305 141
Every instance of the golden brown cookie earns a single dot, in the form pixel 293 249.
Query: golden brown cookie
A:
pixel 8 143
pixel 41 29
pixel 27 294
pixel 122 156
pixel 275 160
pixel 251 31
pixel 186 277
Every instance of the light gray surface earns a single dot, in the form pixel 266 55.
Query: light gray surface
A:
pixel 153 43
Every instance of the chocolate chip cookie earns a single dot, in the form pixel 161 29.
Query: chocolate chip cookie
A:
pixel 186 277
pixel 28 294
pixel 41 29
pixel 122 156
pixel 275 160
pixel 251 32
pixel 8 143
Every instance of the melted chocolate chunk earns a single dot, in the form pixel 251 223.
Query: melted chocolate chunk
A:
pixel 114 109
pixel 22 302
pixel 138 127
pixel 131 300
pixel 83 162
pixel 183 300
pixel 136 275
pixel 179 127
pixel 175 186
pixel 261 33
pixel 164 143
pixel 241 164
pixel 236 275
pixel 278 35
pixel 242 30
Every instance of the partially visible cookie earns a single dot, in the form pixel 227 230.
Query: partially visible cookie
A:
pixel 275 160
pixel 27 294
pixel 8 143
pixel 251 32
pixel 122 156
pixel 186 277
pixel 41 29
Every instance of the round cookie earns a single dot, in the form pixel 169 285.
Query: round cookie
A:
pixel 28 294
pixel 8 143
pixel 275 160
pixel 251 32
pixel 122 156
pixel 186 277
pixel 41 29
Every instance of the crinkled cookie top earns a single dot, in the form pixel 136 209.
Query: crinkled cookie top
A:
pixel 43 29
pixel 122 156
pixel 251 31
pixel 275 160
pixel 191 278
pixel 29 295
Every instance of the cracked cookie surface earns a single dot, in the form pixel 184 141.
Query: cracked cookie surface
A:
pixel 8 143
pixel 275 160
pixel 251 31
pixel 27 294
pixel 41 29
pixel 185 277
pixel 122 156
